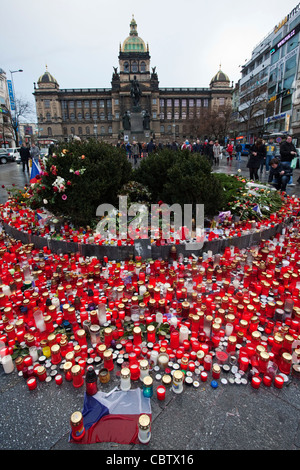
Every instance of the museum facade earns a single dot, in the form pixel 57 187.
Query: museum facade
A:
pixel 133 108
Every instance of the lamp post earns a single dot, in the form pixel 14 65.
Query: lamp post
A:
pixel 16 115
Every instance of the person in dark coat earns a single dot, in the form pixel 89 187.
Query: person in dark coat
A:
pixel 25 155
pixel 288 152
pixel 282 172
pixel 257 156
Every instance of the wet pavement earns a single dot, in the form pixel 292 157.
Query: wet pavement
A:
pixel 233 416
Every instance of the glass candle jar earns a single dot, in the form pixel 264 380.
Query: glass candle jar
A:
pixel 263 360
pixel 207 362
pixel 55 354
pixel 177 385
pixel 137 335
pixel 231 345
pixel 67 371
pixel 134 371
pixel 7 364
pixel 183 334
pixel 151 334
pixel 108 336
pixel 77 426
pixel 108 360
pixel 174 339
pixel 77 376
pixel 31 383
pixel 95 334
pixel 285 363
pixel 161 392
pixel 144 426
pixel 144 369
pixel 41 373
pixel 91 381
pixel 216 371
pixel 148 386
pixel 125 379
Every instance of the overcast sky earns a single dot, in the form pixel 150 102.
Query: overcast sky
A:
pixel 79 39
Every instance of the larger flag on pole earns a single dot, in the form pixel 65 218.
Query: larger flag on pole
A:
pixel 113 416
pixel 35 171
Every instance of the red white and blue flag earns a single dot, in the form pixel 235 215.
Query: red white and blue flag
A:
pixel 35 171
pixel 113 416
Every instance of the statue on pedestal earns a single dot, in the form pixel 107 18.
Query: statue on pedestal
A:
pixel 135 91
pixel 126 121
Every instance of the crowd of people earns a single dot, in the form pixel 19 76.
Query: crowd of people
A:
pixel 209 148
pixel 280 168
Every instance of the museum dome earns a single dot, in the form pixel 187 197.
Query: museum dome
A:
pixel 47 78
pixel 220 77
pixel 133 43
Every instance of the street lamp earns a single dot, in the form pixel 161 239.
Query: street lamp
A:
pixel 16 115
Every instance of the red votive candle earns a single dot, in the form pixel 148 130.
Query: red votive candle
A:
pixel 267 380
pixel 278 381
pixel 31 383
pixel 58 379
pixel 203 376
pixel 161 392
pixel 255 382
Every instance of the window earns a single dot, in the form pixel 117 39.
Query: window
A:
pixel 126 67
pixel 162 129
pixel 176 115
pixel 162 103
pixel 65 131
pixel 80 130
pixel 72 130
pixel 162 116
pixel 47 103
pixel 71 104
pixel 102 117
pixel 169 115
pixel 191 103
pixel 110 130
pixel 86 104
pixel 169 103
pixel 116 101
pixel 108 103
pixel 79 116
pixel 87 116
pixel 205 103
pixel 183 115
pixel 95 115
pixel 49 131
pixel 183 103
pixel 154 101
pixel 176 103
pixel 134 66
pixel 87 130
pixel 101 103
pixel 48 117
pixel 94 104
pixel 198 103
pixel 221 101
pixel 102 130
pixel 154 115
pixel 143 67
pixel 79 104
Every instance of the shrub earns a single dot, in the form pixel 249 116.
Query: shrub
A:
pixel 78 177
pixel 182 178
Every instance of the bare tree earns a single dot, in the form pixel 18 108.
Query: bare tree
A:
pixel 255 106
pixel 24 109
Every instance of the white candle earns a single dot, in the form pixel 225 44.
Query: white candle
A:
pixel 7 363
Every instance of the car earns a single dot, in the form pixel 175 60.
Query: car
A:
pixel 15 152
pixel 245 149
pixel 5 156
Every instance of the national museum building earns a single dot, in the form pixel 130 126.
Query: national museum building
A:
pixel 134 108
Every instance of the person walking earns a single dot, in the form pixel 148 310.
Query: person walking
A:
pixel 288 153
pixel 135 152
pixel 257 155
pixel 238 150
pixel 217 152
pixel 270 149
pixel 35 152
pixel 282 172
pixel 229 150
pixel 25 156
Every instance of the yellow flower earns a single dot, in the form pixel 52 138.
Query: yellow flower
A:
pixel 64 151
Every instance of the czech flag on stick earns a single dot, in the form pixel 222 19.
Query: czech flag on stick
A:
pixel 113 416
pixel 35 171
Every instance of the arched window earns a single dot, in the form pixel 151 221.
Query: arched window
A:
pixel 102 130
pixel 87 116
pixel 126 67
pixel 48 117
pixel 49 131
pixel 87 130
pixel 134 66
pixel 72 130
pixel 79 130
pixel 143 66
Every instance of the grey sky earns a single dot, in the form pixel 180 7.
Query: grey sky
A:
pixel 79 39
